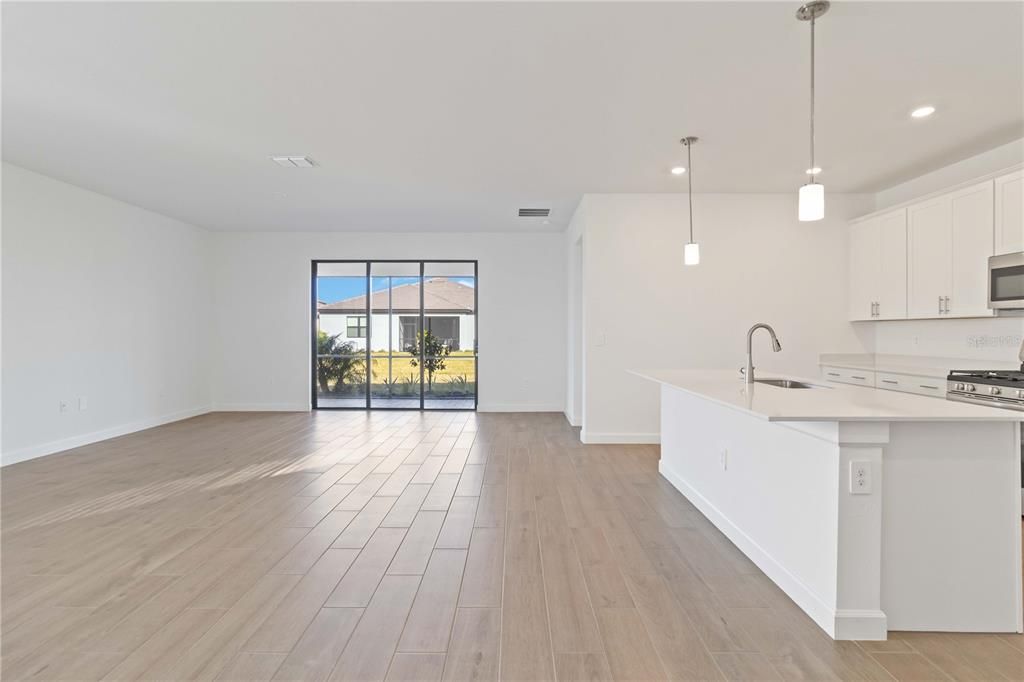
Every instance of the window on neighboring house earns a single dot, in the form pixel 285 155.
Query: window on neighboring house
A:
pixel 444 328
pixel 356 327
pixel 407 333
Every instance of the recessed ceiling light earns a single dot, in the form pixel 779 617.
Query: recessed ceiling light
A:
pixel 813 171
pixel 923 112
pixel 293 161
pixel 678 170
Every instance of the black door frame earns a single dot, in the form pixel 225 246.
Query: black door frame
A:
pixel 369 334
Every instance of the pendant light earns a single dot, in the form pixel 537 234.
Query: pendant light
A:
pixel 691 252
pixel 812 195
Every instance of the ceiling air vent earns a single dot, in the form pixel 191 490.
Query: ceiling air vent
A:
pixel 534 212
pixel 293 161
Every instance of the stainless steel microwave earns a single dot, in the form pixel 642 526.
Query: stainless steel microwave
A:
pixel 1006 281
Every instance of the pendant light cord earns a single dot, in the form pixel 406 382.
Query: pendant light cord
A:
pixel 812 167
pixel 689 185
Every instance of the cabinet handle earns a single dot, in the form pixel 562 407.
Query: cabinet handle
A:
pixel 854 376
pixel 940 305
pixel 878 309
pixel 947 305
pixel 833 374
pixel 934 388
pixel 889 381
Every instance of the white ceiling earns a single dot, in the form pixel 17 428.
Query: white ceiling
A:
pixel 429 116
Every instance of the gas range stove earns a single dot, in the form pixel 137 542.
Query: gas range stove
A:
pixel 995 389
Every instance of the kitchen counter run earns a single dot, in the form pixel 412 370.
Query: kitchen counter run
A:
pixel 831 402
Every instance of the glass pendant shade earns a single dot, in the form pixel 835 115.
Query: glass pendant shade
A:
pixel 691 254
pixel 812 202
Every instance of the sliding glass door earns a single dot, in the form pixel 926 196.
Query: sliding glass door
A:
pixel 340 335
pixel 394 315
pixel 449 335
pixel 394 335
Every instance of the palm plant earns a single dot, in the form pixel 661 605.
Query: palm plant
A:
pixel 336 362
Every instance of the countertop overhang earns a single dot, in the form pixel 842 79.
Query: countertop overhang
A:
pixel 830 403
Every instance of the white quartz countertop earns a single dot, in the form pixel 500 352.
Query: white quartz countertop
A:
pixel 934 367
pixel 828 403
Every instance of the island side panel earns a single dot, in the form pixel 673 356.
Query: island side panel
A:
pixel 951 554
pixel 771 488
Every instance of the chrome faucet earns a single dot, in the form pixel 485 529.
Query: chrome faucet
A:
pixel 748 371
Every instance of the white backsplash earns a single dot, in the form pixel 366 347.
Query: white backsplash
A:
pixel 996 339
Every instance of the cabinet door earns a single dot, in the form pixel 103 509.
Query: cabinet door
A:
pixel 863 269
pixel 1009 217
pixel 892 266
pixel 972 245
pixel 929 244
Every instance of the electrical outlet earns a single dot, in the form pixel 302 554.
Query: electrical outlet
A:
pixel 63 406
pixel 83 403
pixel 860 478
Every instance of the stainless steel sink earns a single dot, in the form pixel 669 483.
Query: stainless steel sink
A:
pixel 787 383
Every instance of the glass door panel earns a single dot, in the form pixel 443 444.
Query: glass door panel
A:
pixel 449 345
pixel 341 334
pixel 394 329
pixel 395 335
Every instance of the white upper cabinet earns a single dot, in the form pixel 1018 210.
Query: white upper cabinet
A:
pixel 972 246
pixel 892 275
pixel 864 266
pixel 878 267
pixel 949 242
pixel 1009 217
pixel 930 257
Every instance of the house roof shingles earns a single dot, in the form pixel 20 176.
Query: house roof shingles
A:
pixel 440 294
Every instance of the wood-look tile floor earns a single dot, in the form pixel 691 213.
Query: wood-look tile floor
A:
pixel 401 546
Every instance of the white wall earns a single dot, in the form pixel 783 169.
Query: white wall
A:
pixel 997 339
pixel 264 279
pixel 643 308
pixel 574 347
pixel 101 300
pixel 991 161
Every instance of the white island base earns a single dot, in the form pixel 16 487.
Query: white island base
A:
pixel 929 539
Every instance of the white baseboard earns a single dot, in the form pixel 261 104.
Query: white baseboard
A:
pixel 838 624
pixel 862 625
pixel 591 438
pixel 55 446
pixel 519 407
pixel 575 423
pixel 261 407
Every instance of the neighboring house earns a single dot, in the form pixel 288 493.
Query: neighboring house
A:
pixel 448 307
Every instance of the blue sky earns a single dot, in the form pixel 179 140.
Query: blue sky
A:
pixel 331 289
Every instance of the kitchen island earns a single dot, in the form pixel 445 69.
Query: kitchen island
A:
pixel 873 510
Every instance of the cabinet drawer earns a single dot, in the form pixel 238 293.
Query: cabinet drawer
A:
pixel 893 382
pixel 927 386
pixel 841 375
pixel 909 383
